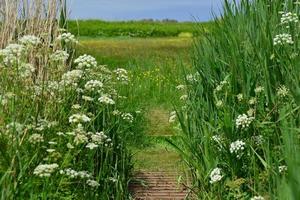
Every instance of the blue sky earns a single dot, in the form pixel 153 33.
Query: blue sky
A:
pixel 182 10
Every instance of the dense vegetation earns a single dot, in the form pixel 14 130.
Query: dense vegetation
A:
pixel 240 126
pixel 98 28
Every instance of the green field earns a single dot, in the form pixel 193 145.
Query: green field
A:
pixel 156 65
pixel 98 28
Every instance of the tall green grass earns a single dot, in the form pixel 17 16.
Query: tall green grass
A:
pixel 241 70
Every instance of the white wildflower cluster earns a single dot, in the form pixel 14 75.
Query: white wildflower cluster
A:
pixel 122 75
pixel 76 106
pixel 219 103
pixel 243 121
pixel 289 17
pixel 100 138
pixel 59 56
pixel 85 61
pixel 12 53
pixel 172 117
pixel 252 101
pixel 79 118
pixel 116 112
pixel 92 183
pixel 240 97
pixel 92 146
pixel 36 138
pixel 259 89
pixel 26 70
pixel 180 87
pixel 71 78
pixel 30 40
pixel 282 168
pixel 45 170
pixel 258 139
pixel 221 85
pixel 67 38
pixel 193 77
pixel 257 198
pixel 42 124
pixel 282 91
pixel 87 98
pixel 251 112
pixel 71 173
pixel 282 39
pixel 127 117
pixel 15 126
pixel 237 148
pixel 106 99
pixel 184 97
pixel 215 175
pixel 93 85
pixel 80 138
pixel 217 138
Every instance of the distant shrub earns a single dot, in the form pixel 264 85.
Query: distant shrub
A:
pixel 185 35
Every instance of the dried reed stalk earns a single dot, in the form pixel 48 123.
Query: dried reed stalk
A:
pixel 35 17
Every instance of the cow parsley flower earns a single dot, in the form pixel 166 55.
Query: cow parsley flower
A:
pixel 215 175
pixel 252 101
pixel 243 121
pixel 257 198
pixel 30 40
pixel 26 70
pixel 289 17
pixel 36 138
pixel 192 78
pixel 12 53
pixel 80 139
pixel 79 118
pixel 67 38
pixel 85 61
pixel 91 146
pixel 45 170
pixel 219 104
pixel 282 91
pixel 258 139
pixel 75 174
pixel 183 97
pixel 282 39
pixel 93 85
pixel 92 183
pixel 59 56
pixel 105 99
pixel 237 148
pixel 240 97
pixel 87 98
pixel 282 168
pixel 180 87
pixel 71 78
pixel 259 89
pixel 127 117
pixel 122 75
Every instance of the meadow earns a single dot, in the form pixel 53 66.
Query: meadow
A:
pixel 146 28
pixel 216 103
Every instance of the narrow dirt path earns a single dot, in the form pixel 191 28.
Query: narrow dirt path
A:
pixel 158 168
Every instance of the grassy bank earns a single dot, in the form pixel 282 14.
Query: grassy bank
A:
pixel 240 126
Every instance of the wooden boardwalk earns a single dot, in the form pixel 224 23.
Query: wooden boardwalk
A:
pixel 157 186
